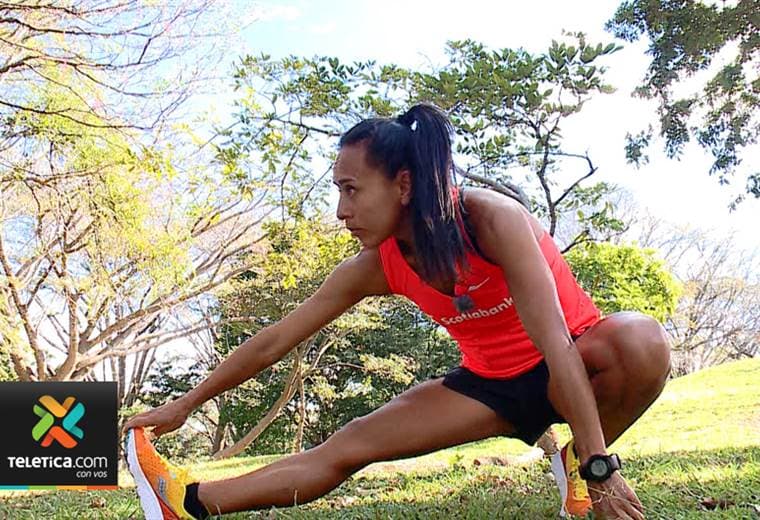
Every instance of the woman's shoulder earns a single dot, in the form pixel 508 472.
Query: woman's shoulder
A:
pixel 483 205
pixel 365 269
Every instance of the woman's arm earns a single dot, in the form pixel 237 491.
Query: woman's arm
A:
pixel 351 281
pixel 507 237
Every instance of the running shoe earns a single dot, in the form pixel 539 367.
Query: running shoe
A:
pixel 572 488
pixel 160 485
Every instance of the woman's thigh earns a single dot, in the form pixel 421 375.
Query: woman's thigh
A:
pixel 425 418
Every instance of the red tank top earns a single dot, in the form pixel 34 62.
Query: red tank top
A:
pixel 490 336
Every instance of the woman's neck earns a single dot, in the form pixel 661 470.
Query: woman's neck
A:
pixel 405 237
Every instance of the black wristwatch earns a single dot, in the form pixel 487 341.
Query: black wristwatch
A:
pixel 598 468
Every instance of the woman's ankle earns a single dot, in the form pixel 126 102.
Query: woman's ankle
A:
pixel 193 504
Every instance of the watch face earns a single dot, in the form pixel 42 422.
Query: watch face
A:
pixel 598 468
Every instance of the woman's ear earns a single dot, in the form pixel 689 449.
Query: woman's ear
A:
pixel 404 180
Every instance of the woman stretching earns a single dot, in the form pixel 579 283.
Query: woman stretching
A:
pixel 534 348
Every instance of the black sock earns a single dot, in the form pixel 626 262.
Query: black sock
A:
pixel 192 504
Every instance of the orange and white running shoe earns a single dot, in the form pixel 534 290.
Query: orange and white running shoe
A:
pixel 572 488
pixel 160 485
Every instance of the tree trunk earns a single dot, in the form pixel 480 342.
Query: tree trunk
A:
pixel 117 375
pixel 143 364
pixel 298 444
pixel 287 394
pixel 221 426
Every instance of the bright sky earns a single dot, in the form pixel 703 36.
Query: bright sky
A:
pixel 413 33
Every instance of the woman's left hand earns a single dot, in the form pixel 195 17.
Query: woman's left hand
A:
pixel 613 499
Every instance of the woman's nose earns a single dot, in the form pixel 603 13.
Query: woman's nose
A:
pixel 342 211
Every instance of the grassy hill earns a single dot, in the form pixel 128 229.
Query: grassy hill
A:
pixel 694 454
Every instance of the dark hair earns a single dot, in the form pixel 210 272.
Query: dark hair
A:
pixel 420 140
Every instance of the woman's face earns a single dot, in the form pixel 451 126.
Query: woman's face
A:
pixel 371 205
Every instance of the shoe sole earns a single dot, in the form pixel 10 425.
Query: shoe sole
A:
pixel 559 475
pixel 148 499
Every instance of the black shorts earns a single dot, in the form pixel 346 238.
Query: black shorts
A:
pixel 521 400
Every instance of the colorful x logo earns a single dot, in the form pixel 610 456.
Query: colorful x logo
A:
pixel 45 428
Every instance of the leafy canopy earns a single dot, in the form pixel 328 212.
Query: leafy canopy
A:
pixel 685 37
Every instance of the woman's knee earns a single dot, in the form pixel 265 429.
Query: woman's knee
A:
pixel 348 450
pixel 643 348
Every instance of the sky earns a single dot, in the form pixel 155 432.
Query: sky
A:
pixel 413 34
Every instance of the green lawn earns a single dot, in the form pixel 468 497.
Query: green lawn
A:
pixel 695 454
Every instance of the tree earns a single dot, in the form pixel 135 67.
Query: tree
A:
pixel 170 378
pixel 114 221
pixel 344 370
pixel 143 58
pixel 718 316
pixel 290 113
pixel 102 238
pixel 298 258
pixel 625 278
pixel 212 423
pixel 93 267
pixel 686 37
pixel 347 369
pixel 507 107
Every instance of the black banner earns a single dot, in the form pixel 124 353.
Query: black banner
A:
pixel 58 434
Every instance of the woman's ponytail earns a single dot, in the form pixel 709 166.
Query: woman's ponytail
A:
pixel 437 234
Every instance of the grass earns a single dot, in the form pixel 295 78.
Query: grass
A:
pixel 694 454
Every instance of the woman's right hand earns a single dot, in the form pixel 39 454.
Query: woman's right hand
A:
pixel 164 419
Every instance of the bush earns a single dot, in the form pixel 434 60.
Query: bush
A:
pixel 625 277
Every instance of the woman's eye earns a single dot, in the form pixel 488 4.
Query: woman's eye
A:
pixel 348 190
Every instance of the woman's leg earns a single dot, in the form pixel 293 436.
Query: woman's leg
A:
pixel 425 418
pixel 627 357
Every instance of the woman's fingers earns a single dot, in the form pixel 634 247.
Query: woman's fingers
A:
pixel 628 506
pixel 617 501
pixel 136 421
pixel 145 419
pixel 163 419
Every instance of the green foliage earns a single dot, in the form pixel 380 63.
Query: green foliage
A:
pixel 625 278
pixel 507 107
pixel 298 258
pixel 684 38
pixel 167 383
pixel 6 367
pixel 109 178
pixel 636 146
pixel 512 92
pixel 103 221
pixel 393 368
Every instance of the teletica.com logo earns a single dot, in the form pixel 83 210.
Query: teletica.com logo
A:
pixel 48 431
